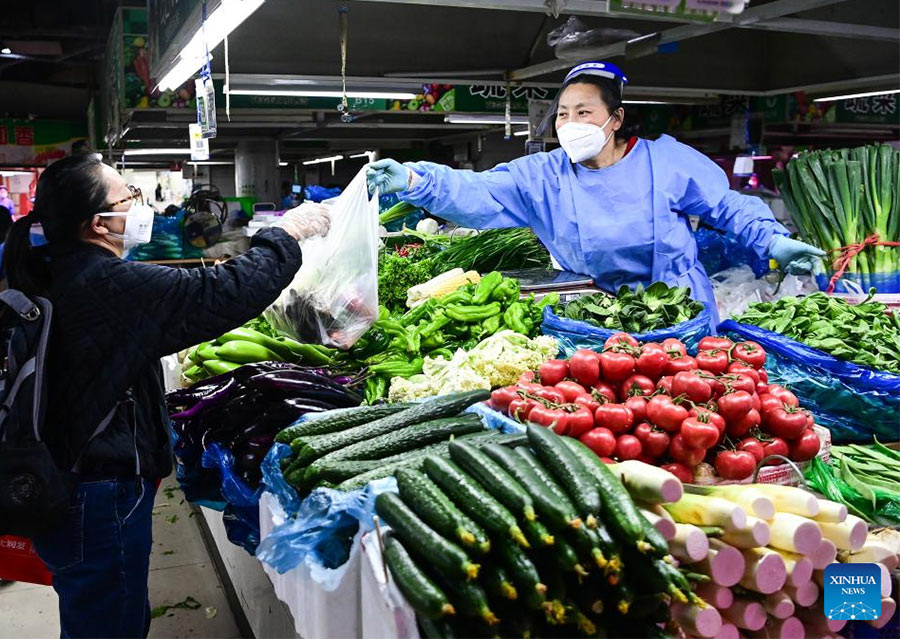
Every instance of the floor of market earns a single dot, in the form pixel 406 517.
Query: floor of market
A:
pixel 180 567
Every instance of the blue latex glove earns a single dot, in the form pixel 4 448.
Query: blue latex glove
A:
pixel 795 256
pixel 389 176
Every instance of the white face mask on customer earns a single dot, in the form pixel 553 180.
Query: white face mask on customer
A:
pixel 138 224
pixel 581 141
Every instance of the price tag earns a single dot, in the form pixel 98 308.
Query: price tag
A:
pixel 199 144
pixel 206 105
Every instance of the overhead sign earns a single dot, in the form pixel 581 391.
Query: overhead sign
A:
pixel 700 10
pixel 166 18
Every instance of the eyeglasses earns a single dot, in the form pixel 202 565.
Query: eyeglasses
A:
pixel 135 195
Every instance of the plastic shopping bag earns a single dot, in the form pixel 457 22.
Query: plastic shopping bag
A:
pixel 334 296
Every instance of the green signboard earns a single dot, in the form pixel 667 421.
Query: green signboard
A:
pixel 881 109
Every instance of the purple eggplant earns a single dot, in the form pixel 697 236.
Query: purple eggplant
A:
pixel 209 402
pixel 311 387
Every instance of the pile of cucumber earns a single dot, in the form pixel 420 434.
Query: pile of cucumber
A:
pixel 529 540
pixel 346 449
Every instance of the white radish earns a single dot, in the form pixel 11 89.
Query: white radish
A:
pixel 885 581
pixel 888 608
pixel 795 533
pixel 755 534
pixel 779 605
pixel 701 622
pixel 873 552
pixel 707 511
pixel 689 544
pixel 715 595
pixel 648 483
pixel 791 500
pixel 817 623
pixel 799 567
pixel 789 628
pixel 805 595
pixel 764 572
pixel 850 534
pixel 831 512
pixel 824 555
pixel 746 614
pixel 665 526
pixel 728 631
pixel 723 563
pixel 747 496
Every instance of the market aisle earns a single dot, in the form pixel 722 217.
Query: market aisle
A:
pixel 180 567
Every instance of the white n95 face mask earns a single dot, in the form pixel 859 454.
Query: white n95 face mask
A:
pixel 138 225
pixel 581 141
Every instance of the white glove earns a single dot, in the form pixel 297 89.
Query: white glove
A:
pixel 305 221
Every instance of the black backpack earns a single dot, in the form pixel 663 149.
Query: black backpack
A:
pixel 34 492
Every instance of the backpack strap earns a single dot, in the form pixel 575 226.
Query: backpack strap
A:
pixel 19 302
pixel 102 426
pixel 26 370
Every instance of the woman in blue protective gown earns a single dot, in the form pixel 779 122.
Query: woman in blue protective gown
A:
pixel 614 209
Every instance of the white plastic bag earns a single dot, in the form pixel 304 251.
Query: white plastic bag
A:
pixel 334 296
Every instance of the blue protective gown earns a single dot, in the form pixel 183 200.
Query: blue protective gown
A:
pixel 623 224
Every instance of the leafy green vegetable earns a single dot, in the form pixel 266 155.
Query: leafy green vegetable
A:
pixel 397 274
pixel 262 326
pixel 490 250
pixel 639 311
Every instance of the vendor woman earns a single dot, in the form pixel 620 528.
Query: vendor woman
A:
pixel 613 208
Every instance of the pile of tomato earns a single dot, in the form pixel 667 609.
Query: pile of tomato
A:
pixel 656 403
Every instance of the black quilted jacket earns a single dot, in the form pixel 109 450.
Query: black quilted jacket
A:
pixel 112 322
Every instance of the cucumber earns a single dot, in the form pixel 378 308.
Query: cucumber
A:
pixel 422 540
pixel 445 406
pixel 338 419
pixel 389 465
pixel 523 573
pixel 546 502
pixel 421 592
pixel 623 518
pixel 468 597
pixel 566 558
pixel 407 438
pixel 435 628
pixel 613 568
pixel 497 582
pixel 339 470
pixel 537 534
pixel 493 478
pixel 586 541
pixel 426 500
pixel 567 468
pixel 473 500
pixel 550 485
pixel 654 543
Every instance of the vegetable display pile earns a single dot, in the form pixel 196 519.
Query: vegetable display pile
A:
pixel 838 198
pixel 395 345
pixel 656 403
pixel 490 250
pixel 398 272
pixel 867 334
pixel 636 311
pixel 244 409
pixel 865 478
pixel 541 539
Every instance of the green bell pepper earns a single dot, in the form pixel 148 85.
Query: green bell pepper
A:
pixel 486 286
pixel 473 313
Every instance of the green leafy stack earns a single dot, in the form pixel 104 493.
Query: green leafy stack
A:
pixel 512 541
pixel 398 272
pixel 639 311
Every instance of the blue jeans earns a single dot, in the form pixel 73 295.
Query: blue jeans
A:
pixel 100 559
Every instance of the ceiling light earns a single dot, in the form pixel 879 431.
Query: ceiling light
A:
pixel 172 151
pixel 211 163
pixel 225 19
pixel 333 158
pixel 282 164
pixel 851 96
pixel 5 50
pixel 313 93
pixel 643 102
pixel 365 154
pixel 520 133
pixel 485 119
pixel 14 173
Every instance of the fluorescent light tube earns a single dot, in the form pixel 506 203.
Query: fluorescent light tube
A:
pixel 851 96
pixel 520 133
pixel 364 154
pixel 5 50
pixel 282 164
pixel 157 151
pixel 485 119
pixel 333 158
pixel 211 163
pixel 643 102
pixel 313 93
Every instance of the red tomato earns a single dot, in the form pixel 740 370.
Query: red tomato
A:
pixel 741 367
pixel 554 418
pixel 711 342
pixel 672 345
pixel 689 384
pixel 551 394
pixel 805 447
pixel 756 403
pixel 739 381
pixel 501 398
pixel 581 420
pixel 584 366
pixel 680 363
pixel 763 375
pixel 768 402
pixel 715 385
pixel 739 427
pixel 520 409
pixel 735 464
pixel 638 406
pixel 553 372
pixel 531 387
pixel 786 422
pixel 570 390
pixel 698 434
pixel 663 412
pixel 754 447
pixel 762 389
pixel 706 415
pixel 526 378
pixel 655 443
pixel 733 406
pixel 637 385
pixel 664 384
pixel 784 395
pixel 602 389
pixel 684 454
pixel 810 420
pixel 776 446
pixel 652 360
pixel 616 417
pixel 621 339
pixel 599 440
pixel 628 447
pixel 714 361
pixel 588 402
pixel 681 471
pixel 616 367
pixel 751 353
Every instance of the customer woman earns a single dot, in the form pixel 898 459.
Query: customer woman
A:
pixel 112 321
pixel 613 208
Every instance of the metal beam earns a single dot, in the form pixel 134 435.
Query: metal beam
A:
pixel 826 28
pixel 569 7
pixel 749 17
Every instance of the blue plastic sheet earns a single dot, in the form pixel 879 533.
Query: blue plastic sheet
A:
pixel 854 402
pixel 199 486
pixel 241 514
pixel 273 478
pixel 495 420
pixel 573 334
pixel 719 251
pixel 884 283
pixel 316 193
